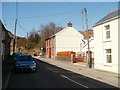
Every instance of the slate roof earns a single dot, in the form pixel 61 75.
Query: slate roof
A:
pixel 6 31
pixel 108 17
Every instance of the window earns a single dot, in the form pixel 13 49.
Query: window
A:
pixel 107 30
pixel 108 56
pixel 107 34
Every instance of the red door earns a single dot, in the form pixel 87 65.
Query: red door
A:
pixel 49 52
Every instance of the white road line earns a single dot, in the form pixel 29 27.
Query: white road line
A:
pixel 6 83
pixel 73 81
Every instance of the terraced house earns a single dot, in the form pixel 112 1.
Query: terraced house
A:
pixel 6 40
pixel 106 32
pixel 0 42
pixel 66 40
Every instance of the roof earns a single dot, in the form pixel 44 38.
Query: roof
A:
pixel 67 28
pixel 10 35
pixel 110 16
pixel 84 33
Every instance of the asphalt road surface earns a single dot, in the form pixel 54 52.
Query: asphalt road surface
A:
pixel 49 76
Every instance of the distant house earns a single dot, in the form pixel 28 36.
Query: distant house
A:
pixel 106 42
pixel 6 40
pixel 89 33
pixel 68 39
pixel 85 48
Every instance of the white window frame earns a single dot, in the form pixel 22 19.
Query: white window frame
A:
pixel 105 31
pixel 105 57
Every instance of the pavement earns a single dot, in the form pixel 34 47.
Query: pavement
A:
pixel 7 67
pixel 81 68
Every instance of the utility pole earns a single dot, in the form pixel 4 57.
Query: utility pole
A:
pixel 14 38
pixel 87 37
pixel 41 43
pixel 27 43
pixel 82 20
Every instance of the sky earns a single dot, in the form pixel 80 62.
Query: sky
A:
pixel 34 14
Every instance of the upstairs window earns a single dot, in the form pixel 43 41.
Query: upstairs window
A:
pixel 107 32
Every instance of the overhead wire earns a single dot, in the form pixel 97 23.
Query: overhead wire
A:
pixel 49 15
pixel 23 28
pixel 41 16
pixel 57 14
pixel 71 16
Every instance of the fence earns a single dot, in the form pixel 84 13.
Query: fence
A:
pixel 65 55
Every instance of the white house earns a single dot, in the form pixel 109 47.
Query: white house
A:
pixel 68 39
pixel 106 43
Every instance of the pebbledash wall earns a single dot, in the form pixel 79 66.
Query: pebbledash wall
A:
pixel 101 44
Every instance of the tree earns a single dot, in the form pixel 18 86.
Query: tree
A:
pixel 34 37
pixel 48 30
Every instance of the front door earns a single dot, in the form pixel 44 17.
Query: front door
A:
pixel 49 52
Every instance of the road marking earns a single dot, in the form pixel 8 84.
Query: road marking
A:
pixel 73 81
pixel 6 83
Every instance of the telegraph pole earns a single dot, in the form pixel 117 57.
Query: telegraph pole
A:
pixel 27 41
pixel 14 38
pixel 87 37
pixel 83 20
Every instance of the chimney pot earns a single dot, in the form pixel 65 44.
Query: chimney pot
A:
pixel 69 24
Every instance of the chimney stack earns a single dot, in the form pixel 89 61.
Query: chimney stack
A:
pixel 70 24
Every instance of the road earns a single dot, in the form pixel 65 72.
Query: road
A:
pixel 49 76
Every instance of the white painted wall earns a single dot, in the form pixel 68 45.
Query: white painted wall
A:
pixel 68 40
pixel 101 45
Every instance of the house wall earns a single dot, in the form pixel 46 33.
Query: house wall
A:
pixel 101 44
pixel 68 40
pixel 0 54
pixel 0 43
pixel 5 43
pixel 50 47
pixel 53 47
pixel 47 47
pixel 118 45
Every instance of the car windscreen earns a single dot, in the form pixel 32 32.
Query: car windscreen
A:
pixel 25 58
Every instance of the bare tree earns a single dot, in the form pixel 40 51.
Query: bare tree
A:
pixel 48 30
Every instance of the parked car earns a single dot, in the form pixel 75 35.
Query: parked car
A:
pixel 25 63
pixel 15 55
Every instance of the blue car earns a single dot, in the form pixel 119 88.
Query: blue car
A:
pixel 25 63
